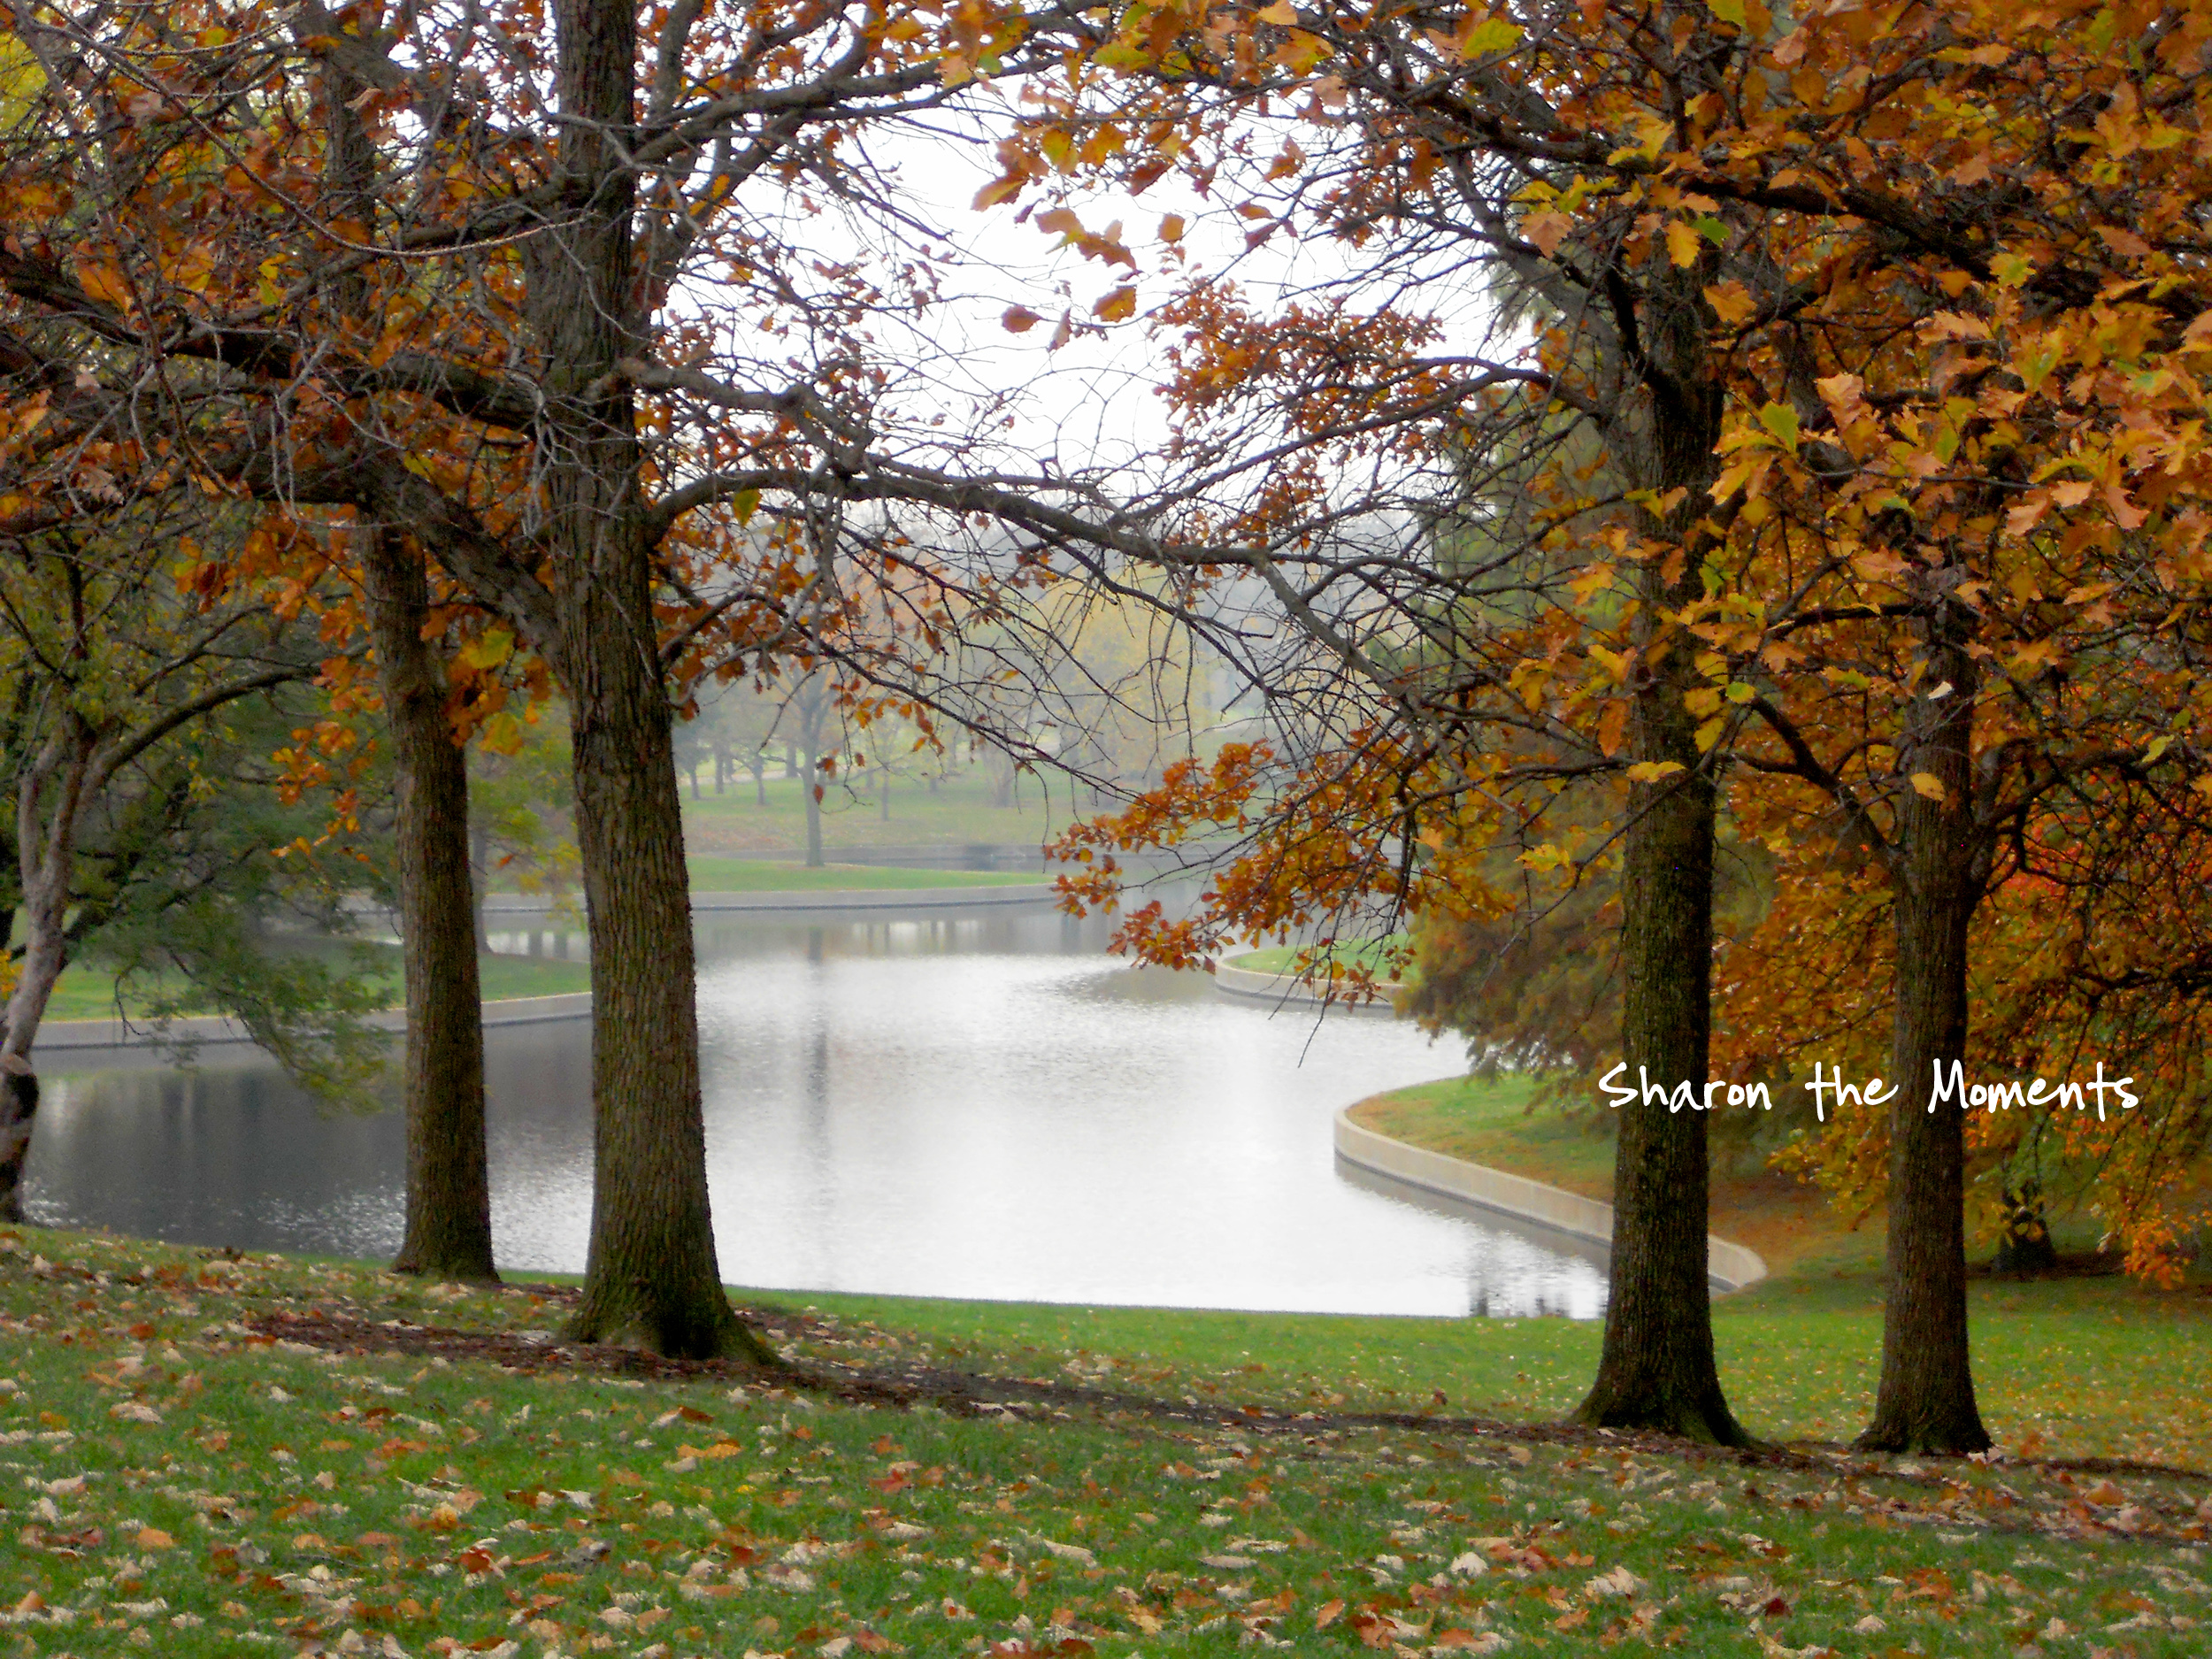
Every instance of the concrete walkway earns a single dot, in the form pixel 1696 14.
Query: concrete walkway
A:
pixel 1727 1266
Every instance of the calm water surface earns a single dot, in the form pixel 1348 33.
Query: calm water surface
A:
pixel 967 1106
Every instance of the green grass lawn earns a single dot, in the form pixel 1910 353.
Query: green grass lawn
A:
pixel 959 813
pixel 88 992
pixel 186 1477
pixel 753 875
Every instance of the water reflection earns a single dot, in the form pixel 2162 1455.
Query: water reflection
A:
pixel 972 1104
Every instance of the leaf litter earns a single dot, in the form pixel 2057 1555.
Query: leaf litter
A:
pixel 208 1452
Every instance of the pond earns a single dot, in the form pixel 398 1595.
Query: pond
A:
pixel 945 1103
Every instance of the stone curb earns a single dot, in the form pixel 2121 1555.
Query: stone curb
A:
pixel 1728 1266
pixel 1283 990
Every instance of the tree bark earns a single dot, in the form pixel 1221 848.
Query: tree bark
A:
pixel 1925 1399
pixel 1656 1367
pixel 449 1186
pixel 49 808
pixel 811 782
pixel 476 847
pixel 651 1279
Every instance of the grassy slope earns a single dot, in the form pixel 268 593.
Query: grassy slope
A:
pixel 88 993
pixel 177 1483
pixel 1490 1122
pixel 959 814
pixel 711 874
pixel 1800 1350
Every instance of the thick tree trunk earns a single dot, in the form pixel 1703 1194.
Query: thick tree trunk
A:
pixel 1657 1368
pixel 651 1279
pixel 1925 1400
pixel 448 1186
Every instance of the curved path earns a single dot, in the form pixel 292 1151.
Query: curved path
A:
pixel 1286 990
pixel 1728 1266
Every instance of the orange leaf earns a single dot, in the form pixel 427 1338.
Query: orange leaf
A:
pixel 1683 244
pixel 1019 319
pixel 1117 306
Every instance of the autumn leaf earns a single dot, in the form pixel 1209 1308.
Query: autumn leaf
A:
pixel 1683 244
pixel 1652 770
pixel 1928 785
pixel 1019 319
pixel 1547 229
pixel 1116 306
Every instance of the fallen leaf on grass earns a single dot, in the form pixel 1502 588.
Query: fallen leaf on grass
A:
pixel 1620 1581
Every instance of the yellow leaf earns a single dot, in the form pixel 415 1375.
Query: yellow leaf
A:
pixel 1652 770
pixel 1683 242
pixel 1927 784
pixel 1171 227
pixel 502 735
pixel 1708 734
pixel 488 648
pixel 1117 306
pixel 104 283
pixel 2159 745
pixel 1732 303
pixel 1612 728
pixel 1282 12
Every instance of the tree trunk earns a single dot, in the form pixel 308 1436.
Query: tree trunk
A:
pixel 760 780
pixel 448 1186
pixel 49 805
pixel 651 1279
pixel 1925 1400
pixel 810 781
pixel 883 798
pixel 1657 1368
pixel 477 848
